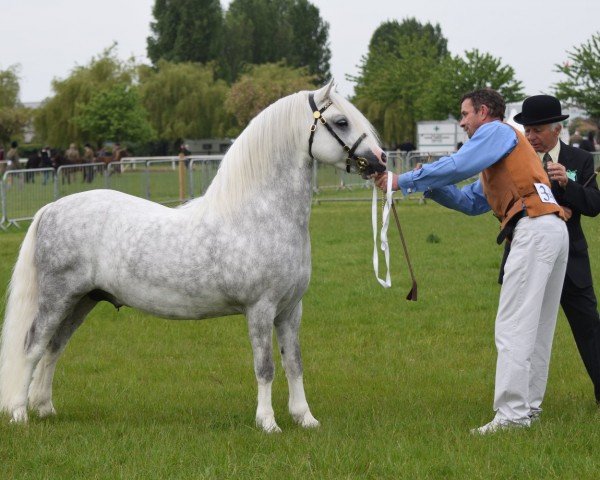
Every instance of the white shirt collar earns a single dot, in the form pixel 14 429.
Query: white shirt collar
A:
pixel 554 152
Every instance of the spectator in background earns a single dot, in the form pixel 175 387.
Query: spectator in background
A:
pixel 13 159
pixel 575 139
pixel 407 146
pixel 46 162
pixel 2 164
pixel 13 156
pixel 588 144
pixel 33 161
pixel 72 155
pixel 88 157
pixel 116 152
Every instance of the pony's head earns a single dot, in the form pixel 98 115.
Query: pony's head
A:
pixel 340 135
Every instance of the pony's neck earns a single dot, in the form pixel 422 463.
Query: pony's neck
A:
pixel 268 162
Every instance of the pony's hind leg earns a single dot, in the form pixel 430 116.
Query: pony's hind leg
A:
pixel 260 327
pixel 287 325
pixel 40 389
pixel 24 356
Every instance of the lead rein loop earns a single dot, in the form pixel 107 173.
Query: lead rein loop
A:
pixel 387 283
pixel 389 205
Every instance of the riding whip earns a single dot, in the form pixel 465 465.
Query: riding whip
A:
pixel 589 180
pixel 412 295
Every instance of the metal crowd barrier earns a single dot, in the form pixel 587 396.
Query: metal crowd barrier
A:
pixel 24 191
pixel 202 170
pixel 328 177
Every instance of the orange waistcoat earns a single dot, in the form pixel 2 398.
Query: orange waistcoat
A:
pixel 509 188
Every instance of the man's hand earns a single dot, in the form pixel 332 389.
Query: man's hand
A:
pixel 381 180
pixel 558 173
pixel 568 212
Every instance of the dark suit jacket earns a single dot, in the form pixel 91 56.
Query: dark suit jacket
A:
pixel 582 201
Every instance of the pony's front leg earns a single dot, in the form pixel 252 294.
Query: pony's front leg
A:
pixel 287 325
pixel 260 327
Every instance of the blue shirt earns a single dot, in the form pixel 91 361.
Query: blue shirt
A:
pixel 490 143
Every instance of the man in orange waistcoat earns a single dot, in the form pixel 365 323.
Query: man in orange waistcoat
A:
pixel 514 185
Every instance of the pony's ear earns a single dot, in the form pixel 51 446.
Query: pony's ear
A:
pixel 322 94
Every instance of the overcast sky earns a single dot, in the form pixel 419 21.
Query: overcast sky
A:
pixel 48 38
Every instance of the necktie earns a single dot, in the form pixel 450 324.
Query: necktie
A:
pixel 547 158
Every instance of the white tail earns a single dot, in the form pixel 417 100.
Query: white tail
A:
pixel 21 308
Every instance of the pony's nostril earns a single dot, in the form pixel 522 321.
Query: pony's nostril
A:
pixel 383 157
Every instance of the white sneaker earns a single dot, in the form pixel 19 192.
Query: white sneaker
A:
pixel 535 415
pixel 498 424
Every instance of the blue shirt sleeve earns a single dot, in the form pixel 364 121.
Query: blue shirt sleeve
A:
pixel 490 143
pixel 469 199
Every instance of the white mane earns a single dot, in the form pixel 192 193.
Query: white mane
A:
pixel 273 134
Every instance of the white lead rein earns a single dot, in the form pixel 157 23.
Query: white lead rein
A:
pixel 385 219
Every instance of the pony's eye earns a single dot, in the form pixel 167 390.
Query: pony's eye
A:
pixel 341 122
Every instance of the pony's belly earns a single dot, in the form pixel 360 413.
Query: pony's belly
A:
pixel 178 313
pixel 180 306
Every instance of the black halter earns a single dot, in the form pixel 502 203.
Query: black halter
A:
pixel 361 163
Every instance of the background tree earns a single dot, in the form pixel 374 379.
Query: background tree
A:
pixel 114 114
pixel 185 31
pixel 582 85
pixel 269 31
pixel 456 76
pixel 261 85
pixel 13 115
pixel 55 119
pixel 183 100
pixel 392 76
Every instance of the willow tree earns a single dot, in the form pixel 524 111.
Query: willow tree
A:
pixel 13 115
pixel 262 85
pixel 115 114
pixel 55 121
pixel 184 100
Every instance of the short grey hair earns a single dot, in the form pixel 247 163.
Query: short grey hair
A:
pixel 556 126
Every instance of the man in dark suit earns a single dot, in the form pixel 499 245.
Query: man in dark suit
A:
pixel 571 171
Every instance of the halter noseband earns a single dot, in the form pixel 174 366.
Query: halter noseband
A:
pixel 361 163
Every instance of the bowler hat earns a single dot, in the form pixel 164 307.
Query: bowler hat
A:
pixel 540 110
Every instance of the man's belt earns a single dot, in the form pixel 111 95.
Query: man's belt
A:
pixel 509 228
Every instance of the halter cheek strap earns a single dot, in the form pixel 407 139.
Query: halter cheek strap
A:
pixel 361 163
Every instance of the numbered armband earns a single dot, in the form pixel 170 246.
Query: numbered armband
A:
pixel 545 193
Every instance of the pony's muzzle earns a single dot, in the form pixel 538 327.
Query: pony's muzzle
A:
pixel 369 164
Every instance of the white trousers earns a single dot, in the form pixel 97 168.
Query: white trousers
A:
pixel 527 311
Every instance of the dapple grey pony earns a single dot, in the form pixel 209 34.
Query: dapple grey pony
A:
pixel 243 247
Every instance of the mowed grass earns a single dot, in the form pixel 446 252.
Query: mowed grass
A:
pixel 396 385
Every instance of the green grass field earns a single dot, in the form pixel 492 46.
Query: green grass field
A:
pixel 396 385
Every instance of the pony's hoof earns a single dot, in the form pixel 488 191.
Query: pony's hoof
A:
pixel 307 420
pixel 46 411
pixel 19 415
pixel 268 424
